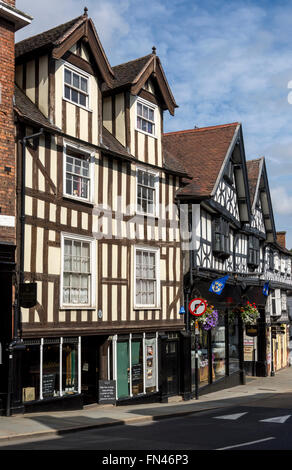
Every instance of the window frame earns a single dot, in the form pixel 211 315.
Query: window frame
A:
pixel 256 250
pixel 224 251
pixel 156 175
pixel 156 251
pixel 91 157
pixel 92 286
pixel 152 106
pixel 83 74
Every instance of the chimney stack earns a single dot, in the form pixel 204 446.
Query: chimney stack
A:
pixel 281 239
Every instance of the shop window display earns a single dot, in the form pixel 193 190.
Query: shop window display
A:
pixel 31 373
pixel 150 365
pixel 233 346
pixel 51 370
pixel 69 369
pixel 203 361
pixel 45 363
pixel 218 348
pixel 137 366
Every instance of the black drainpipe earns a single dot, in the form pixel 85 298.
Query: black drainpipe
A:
pixel 17 342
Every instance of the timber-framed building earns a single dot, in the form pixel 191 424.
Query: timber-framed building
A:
pixel 101 233
pixel 231 233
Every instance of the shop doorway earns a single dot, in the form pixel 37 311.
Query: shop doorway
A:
pixel 172 367
pixel 92 367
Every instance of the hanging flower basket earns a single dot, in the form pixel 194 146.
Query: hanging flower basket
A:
pixel 209 319
pixel 249 314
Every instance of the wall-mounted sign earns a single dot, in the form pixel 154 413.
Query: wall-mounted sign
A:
pixel 251 330
pixel 197 307
pixel 28 294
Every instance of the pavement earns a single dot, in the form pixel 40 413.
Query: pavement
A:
pixel 48 424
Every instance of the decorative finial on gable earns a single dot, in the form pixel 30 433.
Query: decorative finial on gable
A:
pixel 85 11
pixel 154 50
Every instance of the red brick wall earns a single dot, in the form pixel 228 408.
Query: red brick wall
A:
pixel 10 2
pixel 7 147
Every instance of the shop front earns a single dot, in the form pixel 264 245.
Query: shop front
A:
pixel 219 354
pixel 219 342
pixel 51 372
pixel 133 365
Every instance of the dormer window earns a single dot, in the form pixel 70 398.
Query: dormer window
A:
pixel 221 240
pixel 145 117
pixel 76 87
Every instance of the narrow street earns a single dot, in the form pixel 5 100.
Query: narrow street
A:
pixel 265 425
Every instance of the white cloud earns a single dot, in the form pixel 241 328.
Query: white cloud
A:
pixel 225 62
pixel 282 201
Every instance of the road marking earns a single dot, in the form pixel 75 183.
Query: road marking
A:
pixel 233 416
pixel 247 443
pixel 278 419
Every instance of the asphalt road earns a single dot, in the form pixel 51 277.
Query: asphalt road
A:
pixel 230 428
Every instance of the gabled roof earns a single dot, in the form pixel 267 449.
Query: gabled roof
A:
pixel 253 170
pixel 129 72
pixel 205 154
pixel 259 189
pixel 202 152
pixel 47 38
pixel 28 111
pixel 60 39
pixel 133 75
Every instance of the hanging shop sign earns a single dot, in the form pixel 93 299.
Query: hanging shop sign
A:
pixel 197 307
pixel 28 294
pixel 107 391
pixel 251 330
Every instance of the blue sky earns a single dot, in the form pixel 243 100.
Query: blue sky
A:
pixel 225 61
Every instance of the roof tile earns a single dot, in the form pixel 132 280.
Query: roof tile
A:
pixel 202 152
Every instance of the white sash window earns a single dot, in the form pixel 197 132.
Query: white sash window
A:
pixel 147 282
pixel 77 271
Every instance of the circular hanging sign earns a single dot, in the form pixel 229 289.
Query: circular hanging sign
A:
pixel 197 307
